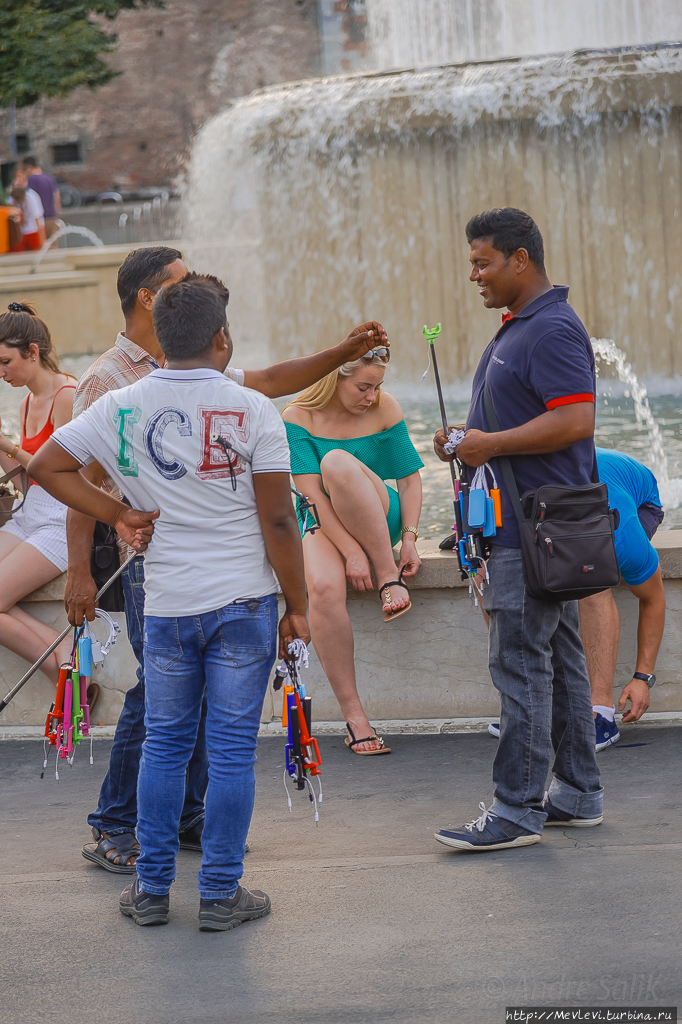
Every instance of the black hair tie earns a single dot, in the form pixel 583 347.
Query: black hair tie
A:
pixel 16 307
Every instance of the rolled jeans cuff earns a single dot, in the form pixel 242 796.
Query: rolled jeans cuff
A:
pixel 526 817
pixel 572 801
pixel 224 894
pixel 154 890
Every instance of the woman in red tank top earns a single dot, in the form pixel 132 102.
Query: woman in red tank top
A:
pixel 33 543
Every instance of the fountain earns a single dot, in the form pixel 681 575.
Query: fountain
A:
pixel 65 229
pixel 327 201
pixel 608 353
pixel 408 32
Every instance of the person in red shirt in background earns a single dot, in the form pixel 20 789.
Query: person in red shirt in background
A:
pixel 10 228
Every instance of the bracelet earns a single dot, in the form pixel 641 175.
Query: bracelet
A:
pixel 13 453
pixel 410 529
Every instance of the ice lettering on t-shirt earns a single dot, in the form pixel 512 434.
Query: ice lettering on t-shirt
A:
pixel 171 469
pixel 208 548
pixel 231 424
pixel 125 419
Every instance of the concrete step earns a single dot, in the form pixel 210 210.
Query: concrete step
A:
pixel 25 268
pixel 20 285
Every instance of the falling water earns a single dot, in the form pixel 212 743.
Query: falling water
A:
pixel 330 201
pixel 406 33
pixel 608 353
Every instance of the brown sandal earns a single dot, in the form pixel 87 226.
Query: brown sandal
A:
pixel 394 583
pixel 352 742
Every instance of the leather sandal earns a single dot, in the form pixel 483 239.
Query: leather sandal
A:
pixel 352 742
pixel 107 848
pixel 394 583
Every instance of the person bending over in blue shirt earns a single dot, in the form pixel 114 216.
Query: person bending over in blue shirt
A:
pixel 634 492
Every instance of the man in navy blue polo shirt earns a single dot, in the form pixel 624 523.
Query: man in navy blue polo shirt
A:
pixel 539 369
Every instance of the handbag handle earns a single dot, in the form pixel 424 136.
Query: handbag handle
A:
pixel 24 483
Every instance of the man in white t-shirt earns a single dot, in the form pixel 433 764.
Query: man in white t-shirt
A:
pixel 208 460
pixel 135 354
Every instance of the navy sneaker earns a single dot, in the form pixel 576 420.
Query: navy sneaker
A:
pixel 144 907
pixel 489 832
pixel 494 729
pixel 558 817
pixel 606 732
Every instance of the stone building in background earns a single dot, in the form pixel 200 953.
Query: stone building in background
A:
pixel 182 65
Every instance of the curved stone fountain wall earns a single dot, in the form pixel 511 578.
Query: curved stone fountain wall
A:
pixel 331 201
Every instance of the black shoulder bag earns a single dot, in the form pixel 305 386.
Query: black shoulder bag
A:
pixel 566 534
pixel 104 561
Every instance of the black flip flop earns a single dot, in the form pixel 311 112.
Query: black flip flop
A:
pixel 394 583
pixel 352 742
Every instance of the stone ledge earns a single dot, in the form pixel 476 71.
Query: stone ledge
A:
pixel 387 727
pixel 47 280
pixel 439 568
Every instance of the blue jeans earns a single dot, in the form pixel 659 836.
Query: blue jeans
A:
pixel 117 807
pixel 229 653
pixel 537 663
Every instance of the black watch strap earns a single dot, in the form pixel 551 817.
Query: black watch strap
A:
pixel 648 679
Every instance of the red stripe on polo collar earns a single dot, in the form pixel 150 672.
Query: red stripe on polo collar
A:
pixel 507 316
pixel 570 400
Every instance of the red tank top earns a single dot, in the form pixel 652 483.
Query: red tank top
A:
pixel 32 444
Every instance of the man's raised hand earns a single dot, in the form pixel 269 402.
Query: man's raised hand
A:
pixel 136 528
pixel 364 338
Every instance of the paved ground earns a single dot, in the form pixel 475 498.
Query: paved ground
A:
pixel 372 920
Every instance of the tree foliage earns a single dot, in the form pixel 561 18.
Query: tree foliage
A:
pixel 50 47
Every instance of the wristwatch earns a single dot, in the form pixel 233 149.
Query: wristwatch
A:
pixel 648 679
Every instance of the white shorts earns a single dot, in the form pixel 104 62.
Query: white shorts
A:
pixel 42 523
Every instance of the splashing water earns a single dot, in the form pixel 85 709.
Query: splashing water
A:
pixel 66 229
pixel 608 352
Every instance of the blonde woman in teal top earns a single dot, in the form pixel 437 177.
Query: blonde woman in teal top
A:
pixel 347 437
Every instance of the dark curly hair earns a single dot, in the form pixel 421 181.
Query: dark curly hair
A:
pixel 509 229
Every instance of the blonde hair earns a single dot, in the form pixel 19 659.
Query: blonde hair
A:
pixel 320 394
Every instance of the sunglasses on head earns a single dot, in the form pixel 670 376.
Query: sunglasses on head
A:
pixel 382 353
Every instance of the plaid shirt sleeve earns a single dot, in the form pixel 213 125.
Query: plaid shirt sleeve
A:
pixel 89 389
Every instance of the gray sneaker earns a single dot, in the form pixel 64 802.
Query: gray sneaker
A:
pixel 221 915
pixel 144 907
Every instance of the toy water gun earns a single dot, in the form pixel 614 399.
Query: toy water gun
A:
pixel 475 519
pixel 302 760
pixel 68 720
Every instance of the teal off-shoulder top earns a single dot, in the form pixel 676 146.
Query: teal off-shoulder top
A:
pixel 390 454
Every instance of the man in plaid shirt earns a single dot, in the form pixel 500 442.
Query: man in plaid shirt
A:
pixel 135 354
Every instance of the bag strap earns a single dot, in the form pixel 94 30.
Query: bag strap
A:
pixel 503 460
pixel 505 464
pixel 24 483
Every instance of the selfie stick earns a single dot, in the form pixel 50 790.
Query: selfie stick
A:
pixel 34 668
pixel 431 333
